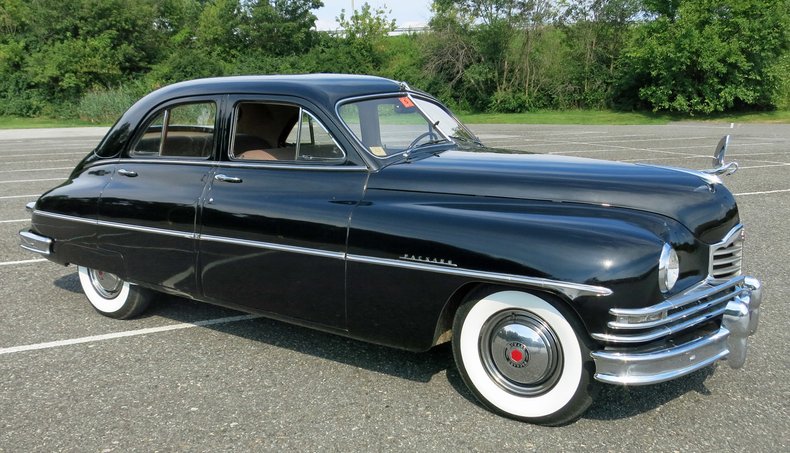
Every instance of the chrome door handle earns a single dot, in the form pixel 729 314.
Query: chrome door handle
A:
pixel 226 178
pixel 128 173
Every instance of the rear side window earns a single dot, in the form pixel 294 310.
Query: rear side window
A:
pixel 185 130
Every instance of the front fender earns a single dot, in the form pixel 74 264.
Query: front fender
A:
pixel 599 246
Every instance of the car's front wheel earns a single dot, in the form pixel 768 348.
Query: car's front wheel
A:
pixel 523 357
pixel 111 296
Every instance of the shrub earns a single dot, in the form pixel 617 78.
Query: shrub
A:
pixel 105 105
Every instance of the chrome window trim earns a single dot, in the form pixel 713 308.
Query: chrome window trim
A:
pixel 571 290
pixel 186 161
pixel 292 163
pixel 342 102
pixel 313 166
pixel 127 154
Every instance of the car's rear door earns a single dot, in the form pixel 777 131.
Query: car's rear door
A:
pixel 275 218
pixel 148 211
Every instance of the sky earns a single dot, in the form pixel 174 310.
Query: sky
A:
pixel 407 13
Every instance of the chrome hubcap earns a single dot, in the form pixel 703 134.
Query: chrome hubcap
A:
pixel 521 352
pixel 106 284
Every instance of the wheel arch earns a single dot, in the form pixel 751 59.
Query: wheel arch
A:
pixel 479 289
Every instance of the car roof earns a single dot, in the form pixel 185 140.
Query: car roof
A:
pixel 321 89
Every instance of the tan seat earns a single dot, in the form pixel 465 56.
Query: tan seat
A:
pixel 268 154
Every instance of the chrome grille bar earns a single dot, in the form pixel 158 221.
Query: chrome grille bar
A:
pixel 726 256
pixel 701 304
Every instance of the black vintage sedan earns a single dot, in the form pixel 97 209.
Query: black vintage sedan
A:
pixel 359 206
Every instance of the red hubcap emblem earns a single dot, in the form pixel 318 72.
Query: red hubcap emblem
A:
pixel 517 355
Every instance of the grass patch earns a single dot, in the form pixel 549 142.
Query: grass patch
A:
pixel 13 122
pixel 590 117
pixel 567 117
pixel 775 117
pixel 610 117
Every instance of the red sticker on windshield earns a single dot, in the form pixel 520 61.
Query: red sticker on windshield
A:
pixel 406 102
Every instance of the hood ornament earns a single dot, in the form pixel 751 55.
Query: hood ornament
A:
pixel 720 168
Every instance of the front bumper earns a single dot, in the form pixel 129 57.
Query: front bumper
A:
pixel 652 364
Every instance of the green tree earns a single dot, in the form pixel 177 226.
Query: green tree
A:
pixel 703 56
pixel 281 27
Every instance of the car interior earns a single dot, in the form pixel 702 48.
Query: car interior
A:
pixel 271 132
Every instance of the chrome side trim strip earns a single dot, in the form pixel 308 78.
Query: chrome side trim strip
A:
pixel 272 246
pixel 572 290
pixel 65 217
pixel 126 226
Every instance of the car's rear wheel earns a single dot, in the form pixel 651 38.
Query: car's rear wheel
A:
pixel 111 296
pixel 523 357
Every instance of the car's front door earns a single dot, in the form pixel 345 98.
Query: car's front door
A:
pixel 148 211
pixel 275 218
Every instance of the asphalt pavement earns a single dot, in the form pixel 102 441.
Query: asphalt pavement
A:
pixel 190 376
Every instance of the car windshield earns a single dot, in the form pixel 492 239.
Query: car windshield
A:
pixel 392 125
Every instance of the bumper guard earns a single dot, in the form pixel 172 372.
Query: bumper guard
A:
pixel 35 242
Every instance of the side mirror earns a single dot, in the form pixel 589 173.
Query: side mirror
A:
pixel 719 167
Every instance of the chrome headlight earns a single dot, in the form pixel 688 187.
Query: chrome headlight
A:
pixel 668 268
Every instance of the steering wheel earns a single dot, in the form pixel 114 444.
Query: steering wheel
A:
pixel 431 134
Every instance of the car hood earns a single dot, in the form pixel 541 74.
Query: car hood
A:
pixel 705 206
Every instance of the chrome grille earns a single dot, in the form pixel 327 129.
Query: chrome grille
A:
pixel 726 256
pixel 701 304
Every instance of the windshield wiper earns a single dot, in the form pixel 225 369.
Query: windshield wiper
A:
pixel 429 142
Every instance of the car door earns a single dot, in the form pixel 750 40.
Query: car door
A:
pixel 275 217
pixel 148 211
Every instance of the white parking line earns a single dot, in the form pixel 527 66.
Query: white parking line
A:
pixel 11 263
pixel 32 180
pixel 763 193
pixel 39 154
pixel 43 161
pixel 19 196
pixel 14 221
pixel 763 166
pixel 128 333
pixel 37 169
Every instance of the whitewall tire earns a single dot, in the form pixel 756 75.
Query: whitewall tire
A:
pixel 523 357
pixel 111 296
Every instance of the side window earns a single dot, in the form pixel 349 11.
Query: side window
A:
pixel 279 132
pixel 185 130
pixel 315 143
